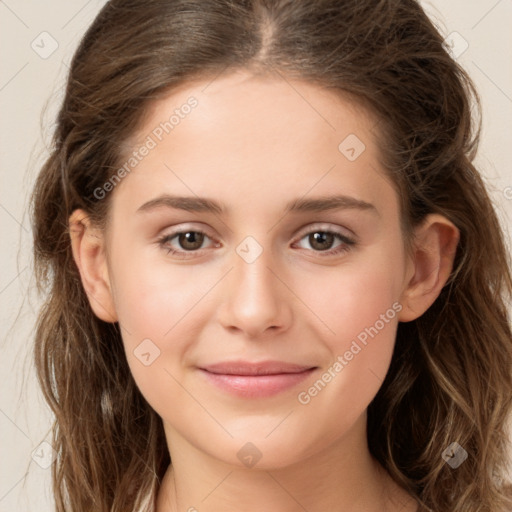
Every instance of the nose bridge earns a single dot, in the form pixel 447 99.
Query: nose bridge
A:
pixel 254 296
pixel 253 276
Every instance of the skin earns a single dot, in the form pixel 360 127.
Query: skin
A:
pixel 254 144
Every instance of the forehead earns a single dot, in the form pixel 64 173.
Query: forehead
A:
pixel 248 110
pixel 262 137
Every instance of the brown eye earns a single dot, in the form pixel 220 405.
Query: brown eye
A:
pixel 190 240
pixel 321 240
pixel 182 242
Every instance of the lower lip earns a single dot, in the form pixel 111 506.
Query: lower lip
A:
pixel 256 386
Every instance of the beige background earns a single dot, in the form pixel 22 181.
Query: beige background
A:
pixel 31 78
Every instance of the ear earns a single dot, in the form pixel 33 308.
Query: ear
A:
pixel 434 248
pixel 88 246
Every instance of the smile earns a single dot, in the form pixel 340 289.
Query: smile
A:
pixel 255 380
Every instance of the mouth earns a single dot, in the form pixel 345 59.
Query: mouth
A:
pixel 256 380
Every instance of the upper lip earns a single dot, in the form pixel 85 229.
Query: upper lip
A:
pixel 261 368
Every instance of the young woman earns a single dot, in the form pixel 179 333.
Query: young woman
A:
pixel 275 280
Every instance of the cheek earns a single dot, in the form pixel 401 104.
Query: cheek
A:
pixel 161 310
pixel 157 317
pixel 353 297
pixel 359 306
pixel 362 317
pixel 151 298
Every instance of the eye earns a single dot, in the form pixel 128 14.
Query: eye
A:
pixel 321 241
pixel 189 241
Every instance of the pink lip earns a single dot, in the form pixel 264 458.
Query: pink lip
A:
pixel 256 380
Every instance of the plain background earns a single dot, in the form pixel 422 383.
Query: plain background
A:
pixel 37 42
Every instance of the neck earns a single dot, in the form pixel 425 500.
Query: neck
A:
pixel 342 477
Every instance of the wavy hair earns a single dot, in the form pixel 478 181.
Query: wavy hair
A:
pixel 450 378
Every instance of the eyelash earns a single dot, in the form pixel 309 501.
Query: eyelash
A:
pixel 346 246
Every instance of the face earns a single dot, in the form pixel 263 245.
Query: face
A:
pixel 296 272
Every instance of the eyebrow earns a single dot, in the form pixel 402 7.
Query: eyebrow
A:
pixel 202 204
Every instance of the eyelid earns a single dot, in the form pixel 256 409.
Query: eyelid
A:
pixel 183 228
pixel 348 242
pixel 323 226
pixel 316 226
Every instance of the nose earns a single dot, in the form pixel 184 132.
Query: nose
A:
pixel 256 298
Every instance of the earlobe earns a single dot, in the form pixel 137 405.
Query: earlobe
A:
pixel 435 245
pixel 88 246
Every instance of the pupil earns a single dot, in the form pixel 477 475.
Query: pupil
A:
pixel 322 238
pixel 191 237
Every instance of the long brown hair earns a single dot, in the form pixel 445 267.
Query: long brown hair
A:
pixel 450 379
